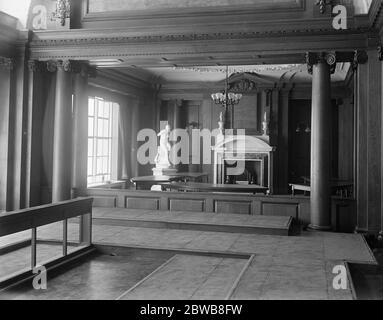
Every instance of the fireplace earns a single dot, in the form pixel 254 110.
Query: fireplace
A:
pixel 244 160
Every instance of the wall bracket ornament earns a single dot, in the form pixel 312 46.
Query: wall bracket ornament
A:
pixel 323 4
pixel 62 11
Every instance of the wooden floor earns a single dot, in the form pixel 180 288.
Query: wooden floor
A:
pixel 203 264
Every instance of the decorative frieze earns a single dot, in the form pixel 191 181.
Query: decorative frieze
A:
pixel 7 63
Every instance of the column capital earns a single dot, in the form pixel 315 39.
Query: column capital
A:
pixel 36 66
pixel 355 57
pixel 313 58
pixel 72 66
pixel 7 63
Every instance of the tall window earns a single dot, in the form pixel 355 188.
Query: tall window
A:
pixel 102 120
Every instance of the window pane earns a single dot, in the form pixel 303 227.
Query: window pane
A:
pixel 99 166
pixel 91 127
pixel 90 147
pixel 90 166
pixel 100 127
pixel 99 148
pixel 105 148
pixel 106 128
pixel 105 165
pixel 106 110
pixel 91 107
pixel 100 105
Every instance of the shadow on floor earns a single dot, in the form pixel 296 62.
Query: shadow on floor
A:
pixel 368 279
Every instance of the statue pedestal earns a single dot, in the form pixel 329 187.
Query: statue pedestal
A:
pixel 164 171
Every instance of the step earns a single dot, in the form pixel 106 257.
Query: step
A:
pixel 186 277
pixel 208 222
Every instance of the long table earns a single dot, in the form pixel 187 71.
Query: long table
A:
pixel 209 187
pixel 146 182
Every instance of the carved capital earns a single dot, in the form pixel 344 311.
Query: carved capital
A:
pixel 66 65
pixel 355 57
pixel 313 58
pixel 7 63
pixel 360 57
pixel 36 66
pixel 52 66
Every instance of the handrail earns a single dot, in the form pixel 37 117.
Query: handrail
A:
pixel 26 219
pixel 32 218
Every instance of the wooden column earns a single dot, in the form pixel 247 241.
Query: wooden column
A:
pixel 321 66
pixel 62 136
pixel 80 128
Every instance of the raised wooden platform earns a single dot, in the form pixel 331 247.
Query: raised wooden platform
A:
pixel 182 220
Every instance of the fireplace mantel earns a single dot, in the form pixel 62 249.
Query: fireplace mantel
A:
pixel 244 148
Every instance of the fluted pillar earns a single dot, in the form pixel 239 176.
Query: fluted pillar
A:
pixel 62 136
pixel 321 65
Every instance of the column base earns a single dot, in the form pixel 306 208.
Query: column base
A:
pixel 319 228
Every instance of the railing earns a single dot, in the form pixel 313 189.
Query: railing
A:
pixel 32 218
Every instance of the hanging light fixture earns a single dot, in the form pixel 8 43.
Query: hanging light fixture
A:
pixel 226 98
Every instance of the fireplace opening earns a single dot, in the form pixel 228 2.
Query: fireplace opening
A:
pixel 253 173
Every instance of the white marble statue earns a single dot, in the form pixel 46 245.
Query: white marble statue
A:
pixel 162 158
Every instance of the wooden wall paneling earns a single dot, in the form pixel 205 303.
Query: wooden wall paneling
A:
pixel 345 140
pixel 227 206
pixel 193 205
pixel 374 126
pixel 280 209
pixel 143 203
pixel 283 141
pixel 4 134
pixel 362 147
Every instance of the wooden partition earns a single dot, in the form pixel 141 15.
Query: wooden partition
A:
pixel 343 210
pixel 297 207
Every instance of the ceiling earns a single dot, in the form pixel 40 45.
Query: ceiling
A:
pixel 277 73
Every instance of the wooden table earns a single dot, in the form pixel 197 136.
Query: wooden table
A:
pixel 342 187
pixel 192 176
pixel 146 182
pixel 208 187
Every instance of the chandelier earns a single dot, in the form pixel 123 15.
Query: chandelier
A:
pixel 226 98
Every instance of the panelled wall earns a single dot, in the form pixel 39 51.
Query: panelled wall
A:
pixel 287 110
